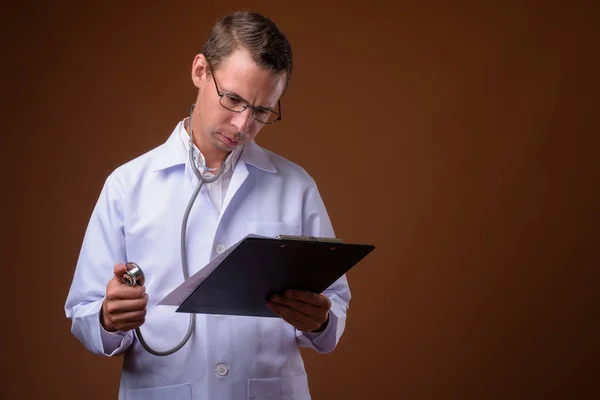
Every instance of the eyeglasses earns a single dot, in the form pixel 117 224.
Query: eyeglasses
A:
pixel 235 103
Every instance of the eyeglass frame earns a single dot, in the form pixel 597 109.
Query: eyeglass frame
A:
pixel 248 105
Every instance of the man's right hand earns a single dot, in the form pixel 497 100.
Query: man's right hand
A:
pixel 124 307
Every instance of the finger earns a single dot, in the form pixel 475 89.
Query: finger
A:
pixel 119 291
pixel 316 299
pixel 123 306
pixel 295 323
pixel 119 270
pixel 127 317
pixel 290 319
pixel 293 314
pixel 300 306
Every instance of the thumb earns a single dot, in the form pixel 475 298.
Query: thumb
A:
pixel 119 270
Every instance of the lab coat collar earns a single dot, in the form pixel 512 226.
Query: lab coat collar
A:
pixel 173 153
pixel 255 155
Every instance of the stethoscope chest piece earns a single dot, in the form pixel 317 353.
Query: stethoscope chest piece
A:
pixel 134 276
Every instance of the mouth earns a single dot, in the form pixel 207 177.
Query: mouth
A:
pixel 228 141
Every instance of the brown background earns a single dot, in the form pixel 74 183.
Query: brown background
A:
pixel 459 139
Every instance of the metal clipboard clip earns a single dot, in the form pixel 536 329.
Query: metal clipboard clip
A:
pixel 310 238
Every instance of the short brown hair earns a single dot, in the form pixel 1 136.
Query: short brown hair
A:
pixel 254 32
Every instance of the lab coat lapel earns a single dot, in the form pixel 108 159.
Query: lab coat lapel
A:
pixel 240 174
pixel 254 155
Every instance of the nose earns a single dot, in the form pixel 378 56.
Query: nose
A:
pixel 241 120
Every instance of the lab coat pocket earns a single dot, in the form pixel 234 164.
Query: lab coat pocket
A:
pixel 272 229
pixel 285 388
pixel 175 392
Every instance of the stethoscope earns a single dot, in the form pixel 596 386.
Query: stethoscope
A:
pixel 135 276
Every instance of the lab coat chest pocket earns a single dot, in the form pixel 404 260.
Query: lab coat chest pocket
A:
pixel 174 392
pixel 272 229
pixel 285 388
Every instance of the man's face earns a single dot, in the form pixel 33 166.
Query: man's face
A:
pixel 218 130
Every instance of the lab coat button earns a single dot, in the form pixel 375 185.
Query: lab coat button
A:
pixel 222 370
pixel 220 249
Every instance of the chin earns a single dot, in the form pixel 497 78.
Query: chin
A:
pixel 222 146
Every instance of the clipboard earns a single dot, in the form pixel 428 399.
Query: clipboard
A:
pixel 245 276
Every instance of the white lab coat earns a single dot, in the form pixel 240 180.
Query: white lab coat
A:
pixel 138 218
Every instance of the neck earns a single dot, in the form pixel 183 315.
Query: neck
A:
pixel 213 159
pixel 212 156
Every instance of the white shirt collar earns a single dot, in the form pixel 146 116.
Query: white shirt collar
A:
pixel 173 152
pixel 230 162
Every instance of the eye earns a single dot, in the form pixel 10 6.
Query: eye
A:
pixel 262 112
pixel 234 100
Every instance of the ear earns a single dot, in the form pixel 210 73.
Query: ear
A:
pixel 199 70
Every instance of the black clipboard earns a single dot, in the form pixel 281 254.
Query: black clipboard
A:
pixel 258 267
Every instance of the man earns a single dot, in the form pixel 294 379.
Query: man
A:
pixel 241 74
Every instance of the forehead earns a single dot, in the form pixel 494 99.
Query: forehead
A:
pixel 239 74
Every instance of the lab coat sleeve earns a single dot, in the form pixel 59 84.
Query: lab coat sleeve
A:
pixel 316 222
pixel 103 246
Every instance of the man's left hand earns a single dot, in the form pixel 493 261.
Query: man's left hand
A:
pixel 306 311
